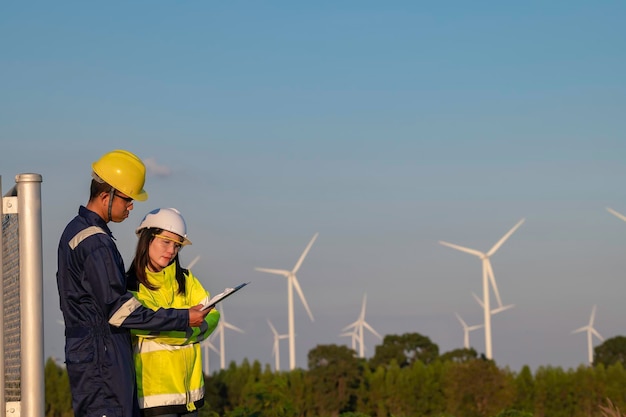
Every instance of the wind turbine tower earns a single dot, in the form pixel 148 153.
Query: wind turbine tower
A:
pixel 221 326
pixel 358 326
pixel 292 282
pixel 488 277
pixel 207 345
pixel 590 333
pixel 354 336
pixel 466 330
pixel 276 348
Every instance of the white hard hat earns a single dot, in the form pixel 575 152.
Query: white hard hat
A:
pixel 168 219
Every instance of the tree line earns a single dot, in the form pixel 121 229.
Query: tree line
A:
pixel 406 377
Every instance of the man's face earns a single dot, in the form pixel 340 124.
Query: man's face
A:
pixel 121 206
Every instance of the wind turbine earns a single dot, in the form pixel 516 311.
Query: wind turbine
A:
pixel 207 345
pixel 292 282
pixel 495 310
pixel 193 262
pixel 358 327
pixel 466 330
pixel 590 333
pixel 616 214
pixel 487 278
pixel 221 326
pixel 276 348
pixel 353 336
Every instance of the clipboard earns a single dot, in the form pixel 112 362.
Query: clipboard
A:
pixel 208 303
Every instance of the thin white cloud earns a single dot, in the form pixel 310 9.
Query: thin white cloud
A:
pixel 154 169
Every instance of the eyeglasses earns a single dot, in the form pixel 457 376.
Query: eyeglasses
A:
pixel 167 241
pixel 128 200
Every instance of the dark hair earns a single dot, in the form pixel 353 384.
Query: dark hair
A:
pixel 136 273
pixel 98 188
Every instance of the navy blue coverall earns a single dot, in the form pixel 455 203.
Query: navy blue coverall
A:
pixel 98 314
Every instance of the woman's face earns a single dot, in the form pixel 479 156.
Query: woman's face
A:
pixel 163 249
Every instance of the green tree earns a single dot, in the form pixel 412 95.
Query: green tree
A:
pixel 460 355
pixel 58 398
pixel 300 391
pixel 554 390
pixel 393 390
pixel 515 413
pixel 215 394
pixel 372 392
pixel 240 380
pixel 417 390
pixel 228 388
pixel 611 351
pixel 524 390
pixel 405 350
pixel 267 398
pixel 588 389
pixel 478 388
pixel 430 399
pixel 335 377
pixel 615 383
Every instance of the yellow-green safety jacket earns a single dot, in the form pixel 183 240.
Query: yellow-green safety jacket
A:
pixel 169 364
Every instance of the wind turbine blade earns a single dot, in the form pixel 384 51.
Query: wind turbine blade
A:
pixel 346 334
pixel 362 316
pixel 581 329
pixel 474 327
pixel 593 316
pixel 193 262
pixel 461 320
pixel 273 328
pixel 504 238
pixel 595 332
pixel 462 249
pixel 352 325
pixel 301 294
pixel 492 279
pixel 210 345
pixel 371 329
pixel 501 309
pixel 616 214
pixel 478 300
pixel 273 271
pixel 232 327
pixel 308 247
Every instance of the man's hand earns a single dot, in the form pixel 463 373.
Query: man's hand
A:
pixel 196 317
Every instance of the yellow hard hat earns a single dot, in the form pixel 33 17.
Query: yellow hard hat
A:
pixel 124 171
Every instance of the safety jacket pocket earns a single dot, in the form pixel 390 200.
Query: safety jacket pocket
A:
pixel 79 350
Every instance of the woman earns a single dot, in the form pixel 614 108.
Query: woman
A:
pixel 170 382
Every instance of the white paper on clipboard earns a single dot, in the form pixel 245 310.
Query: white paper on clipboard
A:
pixel 208 303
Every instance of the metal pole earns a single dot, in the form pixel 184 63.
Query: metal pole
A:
pixel 31 294
pixel 2 398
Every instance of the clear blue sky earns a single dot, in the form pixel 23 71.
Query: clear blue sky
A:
pixel 384 126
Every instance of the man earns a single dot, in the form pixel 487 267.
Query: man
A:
pixel 97 309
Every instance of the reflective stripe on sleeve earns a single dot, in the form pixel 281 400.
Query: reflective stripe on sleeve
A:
pixel 84 234
pixel 124 311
